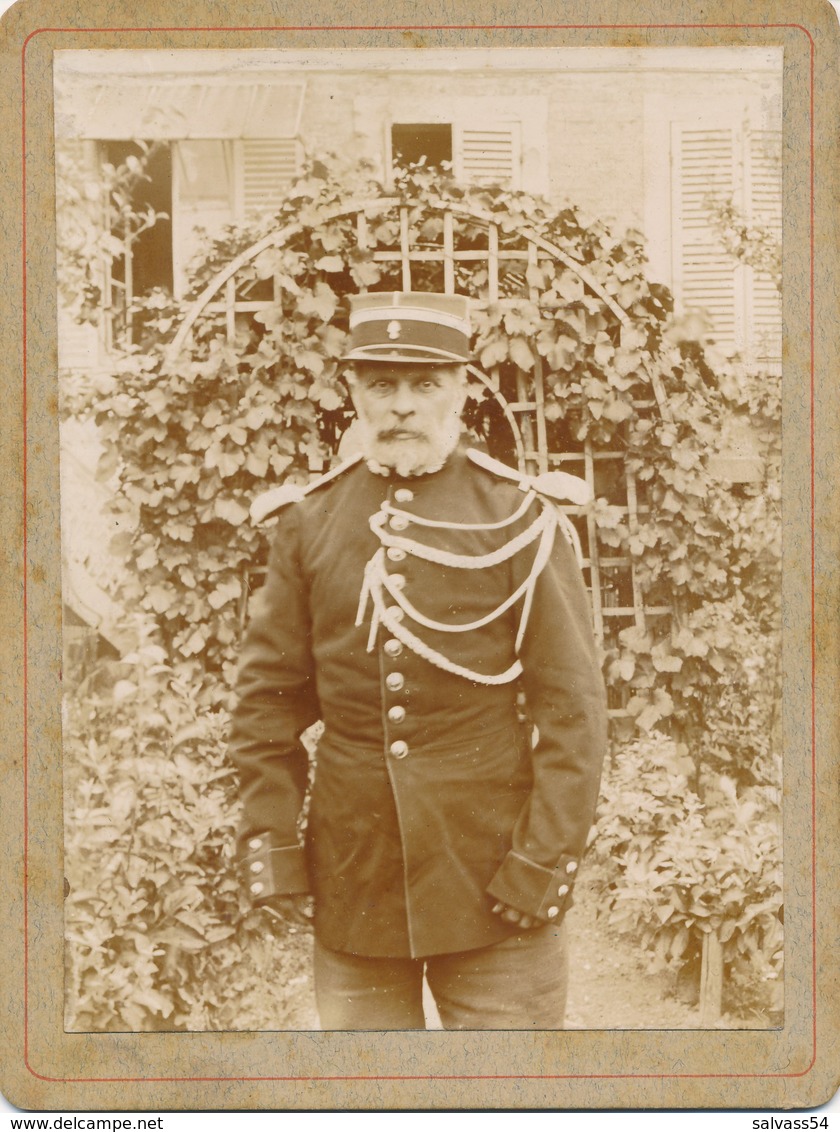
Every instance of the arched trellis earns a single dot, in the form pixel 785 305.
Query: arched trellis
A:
pixel 617 598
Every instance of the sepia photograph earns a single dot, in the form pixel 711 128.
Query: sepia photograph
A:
pixel 421 516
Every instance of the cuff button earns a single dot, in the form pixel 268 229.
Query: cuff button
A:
pixel 257 887
pixel 552 912
pixel 571 867
pixel 255 843
pixel 257 866
pixel 562 890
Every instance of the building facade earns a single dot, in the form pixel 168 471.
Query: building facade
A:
pixel 651 139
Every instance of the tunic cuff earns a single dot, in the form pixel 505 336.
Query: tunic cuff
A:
pixel 269 870
pixel 534 889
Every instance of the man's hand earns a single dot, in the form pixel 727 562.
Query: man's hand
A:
pixel 514 916
pixel 290 910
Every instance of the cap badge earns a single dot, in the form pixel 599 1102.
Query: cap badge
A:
pixel 394 329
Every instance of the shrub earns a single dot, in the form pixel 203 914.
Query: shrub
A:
pixel 158 935
pixel 670 868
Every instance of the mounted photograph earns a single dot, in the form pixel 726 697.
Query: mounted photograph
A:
pixel 421 527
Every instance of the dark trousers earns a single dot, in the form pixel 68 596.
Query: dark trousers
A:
pixel 517 984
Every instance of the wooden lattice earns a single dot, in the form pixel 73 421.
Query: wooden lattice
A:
pixel 617 597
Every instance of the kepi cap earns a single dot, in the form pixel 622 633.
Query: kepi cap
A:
pixel 409 326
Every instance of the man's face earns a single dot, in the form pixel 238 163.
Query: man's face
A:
pixel 410 414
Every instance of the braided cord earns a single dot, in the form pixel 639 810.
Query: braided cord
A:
pixel 376 584
pixel 462 561
pixel 420 648
pixel 420 521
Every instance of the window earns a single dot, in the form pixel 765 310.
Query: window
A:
pixel 490 154
pixel 489 139
pixel 195 187
pixel 146 258
pixel 221 181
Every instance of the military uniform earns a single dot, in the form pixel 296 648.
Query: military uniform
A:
pixel 407 614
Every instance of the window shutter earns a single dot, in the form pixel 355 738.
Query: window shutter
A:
pixel 704 275
pixel 489 155
pixel 269 165
pixel 741 167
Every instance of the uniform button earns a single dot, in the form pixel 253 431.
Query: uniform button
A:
pixel 396 714
pixel 562 890
pixel 398 522
pixel 571 867
pixel 399 749
pixel 403 495
pixel 397 580
pixel 395 613
pixel 393 647
pixel 257 887
pixel 257 866
pixel 395 553
pixel 394 681
pixel 255 843
pixel 552 912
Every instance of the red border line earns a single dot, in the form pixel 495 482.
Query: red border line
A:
pixel 25 665
pixel 426 27
pixel 487 1077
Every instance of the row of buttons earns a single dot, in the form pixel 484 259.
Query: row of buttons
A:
pixel 395 681
pixel 256 867
pixel 563 890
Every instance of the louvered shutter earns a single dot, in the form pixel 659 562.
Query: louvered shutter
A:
pixel 269 165
pixel 704 275
pixel 489 154
pixel 742 167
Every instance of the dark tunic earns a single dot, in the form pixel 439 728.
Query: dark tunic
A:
pixel 432 800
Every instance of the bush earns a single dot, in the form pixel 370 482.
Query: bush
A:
pixel 158 935
pixel 670 868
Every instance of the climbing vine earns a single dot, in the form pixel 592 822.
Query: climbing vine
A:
pixel 189 439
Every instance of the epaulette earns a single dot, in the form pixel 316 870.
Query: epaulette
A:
pixel 556 485
pixel 276 497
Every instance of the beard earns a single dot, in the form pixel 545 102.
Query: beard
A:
pixel 410 452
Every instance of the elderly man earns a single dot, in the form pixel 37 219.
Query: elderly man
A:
pixel 418 597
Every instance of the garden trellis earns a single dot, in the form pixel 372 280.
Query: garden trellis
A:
pixel 510 262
